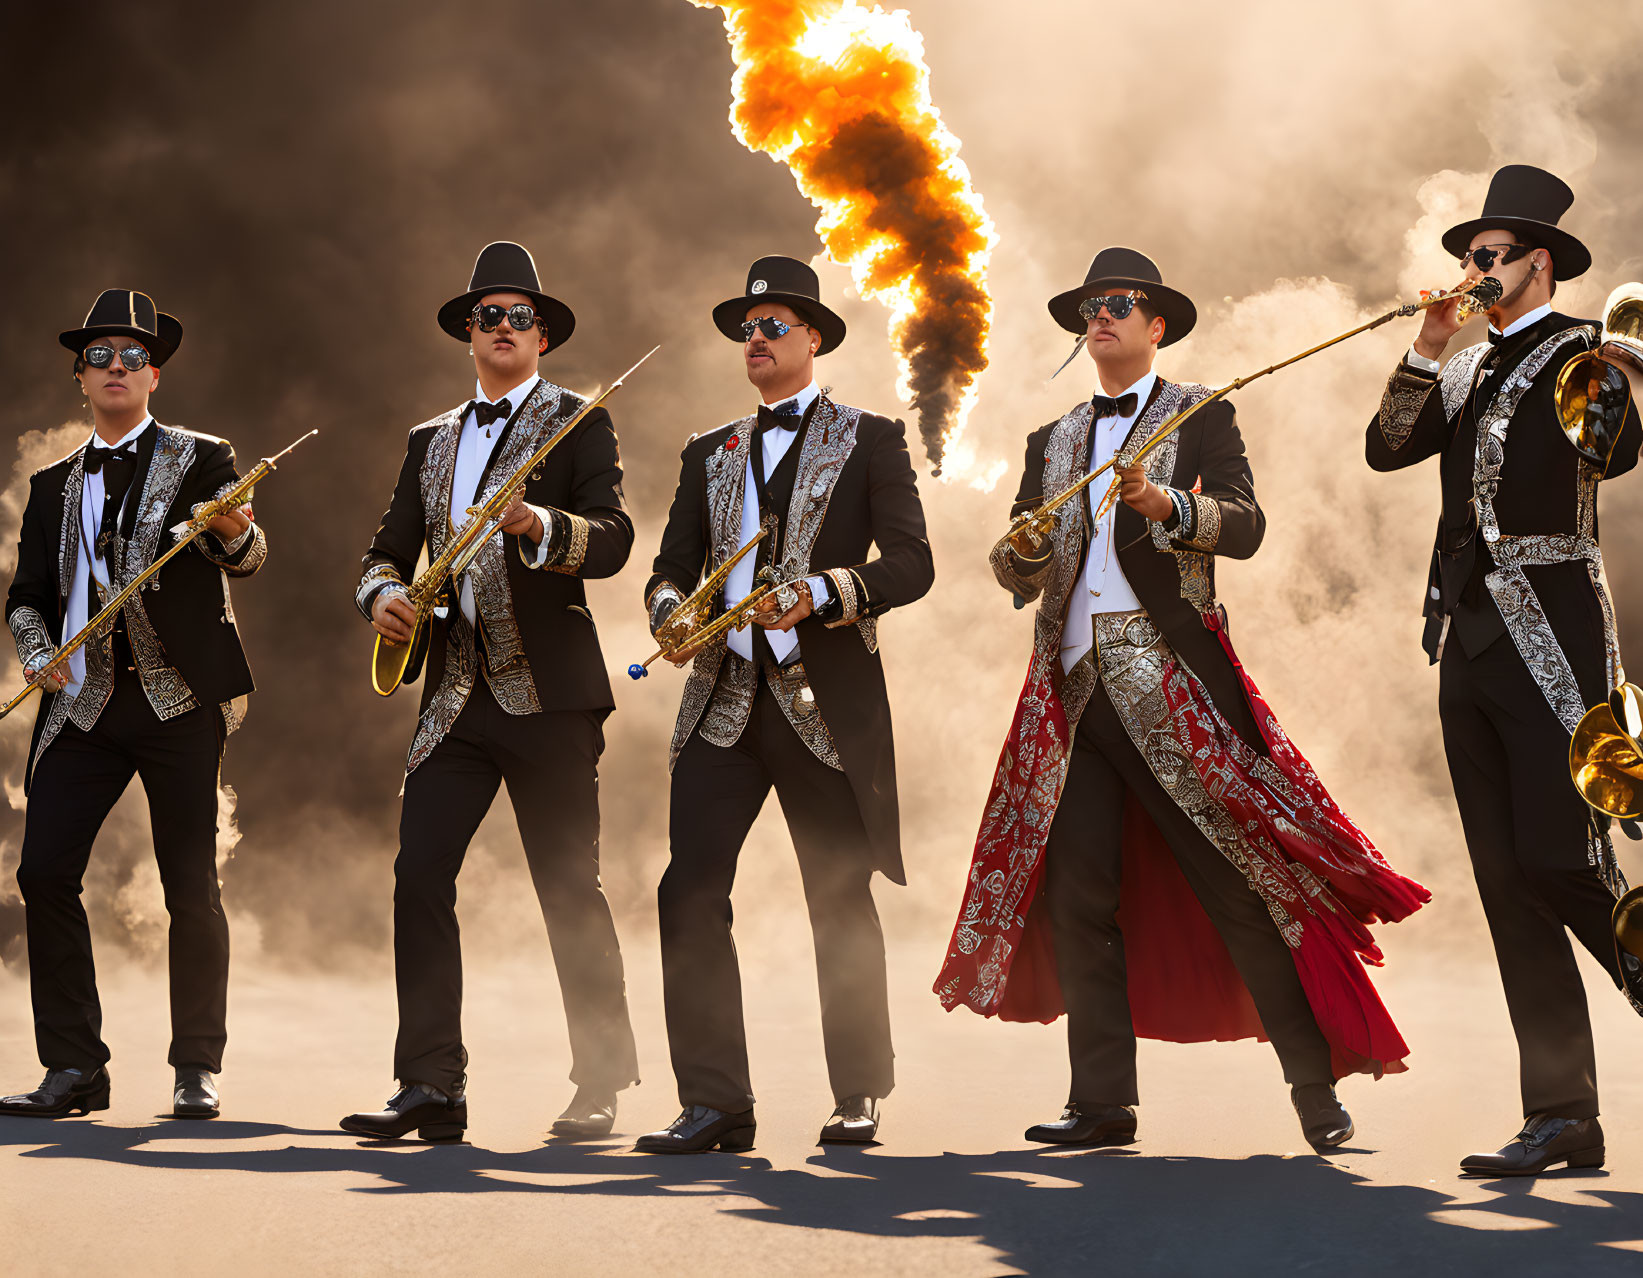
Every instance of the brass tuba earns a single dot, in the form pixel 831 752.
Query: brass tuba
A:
pixel 1606 763
pixel 1594 389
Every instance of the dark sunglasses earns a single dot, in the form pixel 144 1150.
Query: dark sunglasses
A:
pixel 1485 254
pixel 1118 305
pixel 771 327
pixel 520 317
pixel 101 356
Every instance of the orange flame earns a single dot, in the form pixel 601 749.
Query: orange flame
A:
pixel 840 93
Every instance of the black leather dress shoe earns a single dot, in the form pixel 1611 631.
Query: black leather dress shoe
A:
pixel 1324 1120
pixel 1544 1142
pixel 589 1116
pixel 1088 1125
pixel 195 1095
pixel 433 1114
pixel 854 1122
pixel 699 1129
pixel 63 1093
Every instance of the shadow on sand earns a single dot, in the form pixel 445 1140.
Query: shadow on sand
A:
pixel 1048 1212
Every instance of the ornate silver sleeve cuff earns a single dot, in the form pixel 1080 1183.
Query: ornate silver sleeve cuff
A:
pixel 848 589
pixel 1201 530
pixel 567 542
pixel 662 604
pixel 1406 392
pixel 28 629
pixel 377 579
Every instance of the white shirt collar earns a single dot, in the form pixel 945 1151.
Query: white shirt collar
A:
pixel 1523 321
pixel 124 439
pixel 803 399
pixel 1141 388
pixel 515 397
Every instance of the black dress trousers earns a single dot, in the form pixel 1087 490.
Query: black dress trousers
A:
pixel 550 761
pixel 717 793
pixel 1084 862
pixel 1526 832
pixel 78 780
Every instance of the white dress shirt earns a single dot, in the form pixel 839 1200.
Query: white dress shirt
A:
pixel 473 450
pixel 1417 360
pixel 87 560
pixel 783 643
pixel 1104 588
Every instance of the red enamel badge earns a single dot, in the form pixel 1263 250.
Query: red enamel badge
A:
pixel 733 441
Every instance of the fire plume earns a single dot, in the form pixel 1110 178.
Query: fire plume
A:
pixel 840 93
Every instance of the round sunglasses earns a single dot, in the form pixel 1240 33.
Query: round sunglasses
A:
pixel 102 355
pixel 1118 305
pixel 520 317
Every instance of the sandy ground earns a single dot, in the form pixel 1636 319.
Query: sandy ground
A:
pixel 1219 1183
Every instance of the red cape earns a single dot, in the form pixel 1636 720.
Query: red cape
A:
pixel 1183 986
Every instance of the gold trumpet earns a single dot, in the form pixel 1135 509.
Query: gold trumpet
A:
pixel 1032 528
pixel 675 633
pixel 1606 764
pixel 1594 389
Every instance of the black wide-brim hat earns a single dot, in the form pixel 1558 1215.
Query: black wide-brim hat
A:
pixel 1125 268
pixel 120 312
pixel 1528 202
pixel 793 284
pixel 506 267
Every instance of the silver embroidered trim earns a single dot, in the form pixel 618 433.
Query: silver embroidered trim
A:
pixel 32 636
pixel 726 476
pixel 1406 394
pixel 384 574
pixel 791 687
pixel 572 551
pixel 724 715
pixel 461 668
pixel 168 692
pixel 1508 584
pixel 844 585
pixel 1131 657
pixel 1458 376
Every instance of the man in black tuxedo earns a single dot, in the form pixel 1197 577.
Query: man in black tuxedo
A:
pixel 1519 621
pixel 796 702
pixel 516 691
pixel 155 696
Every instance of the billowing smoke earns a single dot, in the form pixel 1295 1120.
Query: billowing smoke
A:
pixel 840 93
pixel 306 203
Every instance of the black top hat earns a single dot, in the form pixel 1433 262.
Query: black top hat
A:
pixel 1127 269
pixel 790 282
pixel 505 267
pixel 119 312
pixel 1528 202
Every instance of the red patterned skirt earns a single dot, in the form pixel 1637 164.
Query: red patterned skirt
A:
pixel 1320 877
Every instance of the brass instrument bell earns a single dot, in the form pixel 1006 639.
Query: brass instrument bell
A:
pixel 1593 390
pixel 1606 756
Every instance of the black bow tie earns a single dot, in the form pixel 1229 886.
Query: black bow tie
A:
pixel 785 416
pixel 1105 406
pixel 96 457
pixel 485 413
